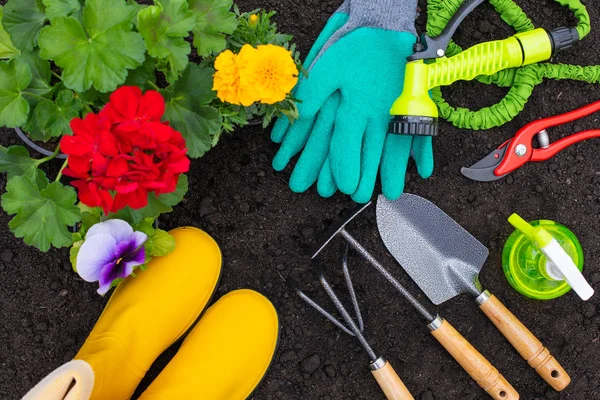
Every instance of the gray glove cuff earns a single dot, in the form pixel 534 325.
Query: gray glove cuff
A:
pixel 395 15
pixel 344 8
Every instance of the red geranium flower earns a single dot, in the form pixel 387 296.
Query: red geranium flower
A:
pixel 90 145
pixel 129 109
pixel 92 194
pixel 121 155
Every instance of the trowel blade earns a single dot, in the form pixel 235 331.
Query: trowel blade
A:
pixel 438 254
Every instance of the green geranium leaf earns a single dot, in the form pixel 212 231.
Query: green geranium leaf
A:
pixel 15 161
pixel 165 202
pixel 142 75
pixel 197 125
pixel 40 5
pixel 127 214
pixel 137 6
pixel 23 20
pixel 163 243
pixel 89 96
pixel 156 204
pixel 33 131
pixel 52 119
pixel 213 21
pixel 7 49
pixel 187 111
pixel 63 8
pixel 40 76
pixel 196 84
pixel 44 211
pixel 15 76
pixel 98 52
pixel 164 27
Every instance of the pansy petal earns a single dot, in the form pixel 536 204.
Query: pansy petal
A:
pixel 94 254
pixel 118 229
pixel 128 266
pixel 103 289
pixel 107 275
pixel 139 238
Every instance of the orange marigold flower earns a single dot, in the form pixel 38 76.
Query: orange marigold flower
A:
pixel 270 70
pixel 227 79
pixel 247 90
pixel 266 74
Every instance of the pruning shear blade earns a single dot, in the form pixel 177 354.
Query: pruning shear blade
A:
pixel 484 169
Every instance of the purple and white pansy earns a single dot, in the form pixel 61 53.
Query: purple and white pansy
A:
pixel 111 250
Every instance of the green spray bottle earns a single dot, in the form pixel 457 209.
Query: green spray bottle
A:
pixel 415 113
pixel 543 260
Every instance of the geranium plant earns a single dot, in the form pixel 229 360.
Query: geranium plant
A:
pixel 128 93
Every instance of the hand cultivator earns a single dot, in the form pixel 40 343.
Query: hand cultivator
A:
pixel 475 364
pixel 386 377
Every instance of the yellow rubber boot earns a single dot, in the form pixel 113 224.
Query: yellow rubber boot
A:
pixel 148 313
pixel 226 355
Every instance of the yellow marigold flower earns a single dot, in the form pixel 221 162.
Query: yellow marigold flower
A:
pixel 269 70
pixel 253 21
pixel 227 80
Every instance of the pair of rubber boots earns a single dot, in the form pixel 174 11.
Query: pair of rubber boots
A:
pixel 224 357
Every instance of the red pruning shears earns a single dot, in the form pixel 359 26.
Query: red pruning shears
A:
pixel 516 152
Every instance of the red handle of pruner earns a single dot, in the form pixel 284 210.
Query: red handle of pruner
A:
pixel 559 145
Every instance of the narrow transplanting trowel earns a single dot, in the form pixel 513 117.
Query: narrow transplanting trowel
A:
pixel 444 260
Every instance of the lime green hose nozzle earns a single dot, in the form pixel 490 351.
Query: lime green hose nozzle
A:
pixel 415 113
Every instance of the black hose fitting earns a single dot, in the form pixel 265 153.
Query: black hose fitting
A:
pixel 563 38
pixel 413 125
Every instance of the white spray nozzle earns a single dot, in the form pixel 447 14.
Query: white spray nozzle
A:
pixel 561 266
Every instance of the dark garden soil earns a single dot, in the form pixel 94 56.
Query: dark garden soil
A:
pixel 264 230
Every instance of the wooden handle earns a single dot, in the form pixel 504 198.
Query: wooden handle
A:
pixel 476 365
pixel 391 384
pixel 528 346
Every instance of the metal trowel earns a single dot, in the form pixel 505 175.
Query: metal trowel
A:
pixel 444 260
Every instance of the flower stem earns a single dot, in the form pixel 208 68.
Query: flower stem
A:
pixel 56 75
pixel 153 85
pixel 88 108
pixel 50 157
pixel 61 171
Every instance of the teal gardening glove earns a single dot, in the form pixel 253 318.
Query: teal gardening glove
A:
pixel 295 137
pixel 344 113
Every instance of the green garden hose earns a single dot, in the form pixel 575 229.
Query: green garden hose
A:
pixel 521 81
